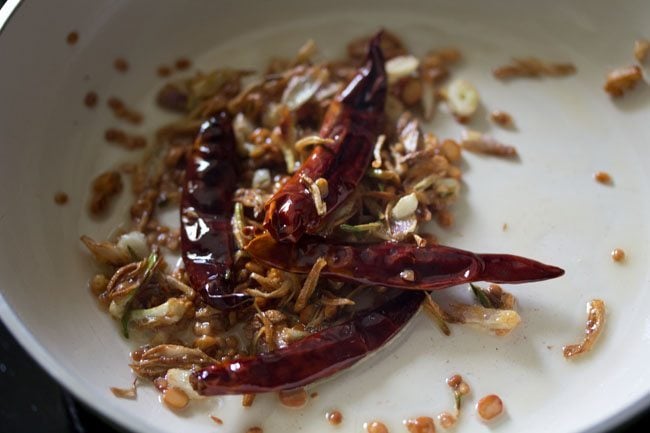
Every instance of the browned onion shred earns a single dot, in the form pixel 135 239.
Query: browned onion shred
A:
pixel 593 328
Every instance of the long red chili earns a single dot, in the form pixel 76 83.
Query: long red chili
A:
pixel 314 357
pixel 399 265
pixel 352 121
pixel 206 207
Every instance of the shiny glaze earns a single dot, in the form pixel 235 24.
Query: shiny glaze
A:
pixel 433 266
pixel 206 235
pixel 314 357
pixel 353 122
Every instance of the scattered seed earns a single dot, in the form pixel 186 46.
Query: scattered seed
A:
pixel 603 177
pixel 489 407
pixel 72 38
pixel 121 65
pixel 501 118
pixel 376 427
pixel 334 417
pixel 90 100
pixel 255 430
pixel 175 398
pixel 618 255
pixel 216 419
pixel 446 420
pixel 60 198
pixel 421 424
pixel 182 64
pixel 164 71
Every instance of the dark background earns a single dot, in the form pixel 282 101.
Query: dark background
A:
pixel 30 401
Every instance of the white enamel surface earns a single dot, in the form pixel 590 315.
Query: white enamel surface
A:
pixel 566 130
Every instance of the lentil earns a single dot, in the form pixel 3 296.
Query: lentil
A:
pixel 447 420
pixel 421 424
pixel 603 177
pixel 334 417
pixel 175 398
pixel 376 427
pixel 489 407
pixel 618 255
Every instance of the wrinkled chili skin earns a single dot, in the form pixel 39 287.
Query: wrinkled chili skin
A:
pixel 314 357
pixel 206 206
pixel 433 266
pixel 353 122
